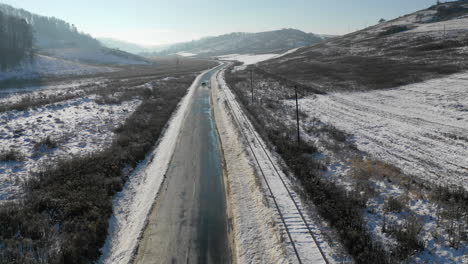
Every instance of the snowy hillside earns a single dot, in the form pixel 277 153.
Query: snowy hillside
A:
pixel 49 66
pixel 277 41
pixel 96 55
pixel 427 44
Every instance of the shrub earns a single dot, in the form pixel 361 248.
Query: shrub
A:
pixel 45 144
pixel 394 205
pixel 11 155
pixel 407 235
pixel 393 30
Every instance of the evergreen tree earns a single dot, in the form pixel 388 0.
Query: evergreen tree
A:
pixel 16 40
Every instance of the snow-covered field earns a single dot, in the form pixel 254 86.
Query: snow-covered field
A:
pixel 248 59
pixel 10 96
pixel 186 54
pixel 78 126
pixel 421 128
pixel 45 65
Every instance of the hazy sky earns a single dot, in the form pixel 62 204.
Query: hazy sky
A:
pixel 169 21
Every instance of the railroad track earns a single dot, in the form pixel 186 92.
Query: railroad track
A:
pixel 293 221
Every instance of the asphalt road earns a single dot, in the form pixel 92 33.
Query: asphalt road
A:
pixel 188 222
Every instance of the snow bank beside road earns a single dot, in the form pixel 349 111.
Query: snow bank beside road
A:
pixel 133 204
pixel 256 237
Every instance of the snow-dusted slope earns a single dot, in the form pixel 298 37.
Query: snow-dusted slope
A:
pixel 427 44
pixel 46 65
pixel 96 55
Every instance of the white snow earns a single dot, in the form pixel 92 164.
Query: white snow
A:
pixel 45 65
pixel 460 24
pixel 421 128
pixel 79 126
pixel 248 59
pixel 186 54
pixel 286 53
pixel 9 96
pixel 132 205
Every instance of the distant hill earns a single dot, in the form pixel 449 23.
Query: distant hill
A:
pixel 277 41
pixel 51 32
pixel 122 45
pixel 129 46
pixel 426 44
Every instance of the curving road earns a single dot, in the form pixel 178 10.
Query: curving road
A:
pixel 188 222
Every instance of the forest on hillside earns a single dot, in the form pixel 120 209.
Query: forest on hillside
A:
pixel 50 32
pixel 16 41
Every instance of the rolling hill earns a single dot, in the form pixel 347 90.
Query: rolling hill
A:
pixel 61 40
pixel 277 41
pixel 423 45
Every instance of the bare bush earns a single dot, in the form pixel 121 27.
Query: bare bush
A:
pixel 11 155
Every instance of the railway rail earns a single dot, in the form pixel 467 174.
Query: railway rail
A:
pixel 294 222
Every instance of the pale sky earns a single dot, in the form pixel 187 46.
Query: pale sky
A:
pixel 153 22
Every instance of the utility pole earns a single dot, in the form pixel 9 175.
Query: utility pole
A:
pixel 297 117
pixel 251 85
pixel 444 32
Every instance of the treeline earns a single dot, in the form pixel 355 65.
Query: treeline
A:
pixel 51 32
pixel 16 40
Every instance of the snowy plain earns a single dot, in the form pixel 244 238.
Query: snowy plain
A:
pixel 421 128
pixel 247 59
